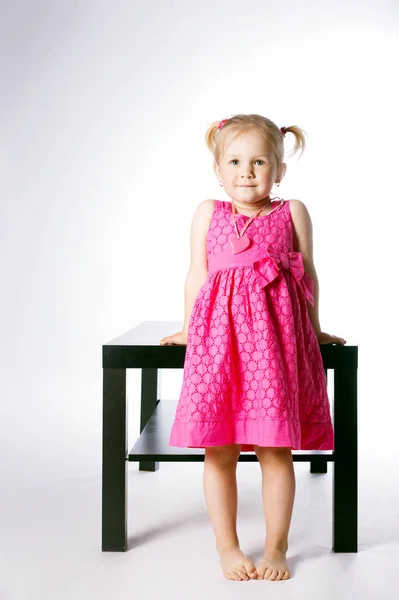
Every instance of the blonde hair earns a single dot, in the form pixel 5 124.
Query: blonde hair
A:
pixel 216 140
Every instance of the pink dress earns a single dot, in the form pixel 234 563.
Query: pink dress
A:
pixel 253 371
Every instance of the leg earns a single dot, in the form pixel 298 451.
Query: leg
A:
pixel 149 392
pixel 345 475
pixel 220 489
pixel 114 465
pixel 318 464
pixel 278 493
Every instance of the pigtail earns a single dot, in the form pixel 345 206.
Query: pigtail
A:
pixel 211 135
pixel 299 135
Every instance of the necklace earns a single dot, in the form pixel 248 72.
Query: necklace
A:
pixel 250 205
pixel 240 242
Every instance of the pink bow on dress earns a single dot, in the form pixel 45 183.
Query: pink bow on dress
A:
pixel 268 268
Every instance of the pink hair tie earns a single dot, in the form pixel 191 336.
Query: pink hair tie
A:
pixel 221 123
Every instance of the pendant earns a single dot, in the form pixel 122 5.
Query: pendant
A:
pixel 239 244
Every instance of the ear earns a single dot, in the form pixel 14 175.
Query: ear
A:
pixel 282 170
pixel 217 170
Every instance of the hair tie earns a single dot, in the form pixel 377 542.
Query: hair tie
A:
pixel 283 130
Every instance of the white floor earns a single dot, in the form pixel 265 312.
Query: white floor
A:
pixel 50 521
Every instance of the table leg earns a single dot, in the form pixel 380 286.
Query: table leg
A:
pixel 149 392
pixel 114 461
pixel 318 464
pixel 345 484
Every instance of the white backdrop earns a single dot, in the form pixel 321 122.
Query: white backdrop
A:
pixel 104 109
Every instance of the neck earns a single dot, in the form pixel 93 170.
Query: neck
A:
pixel 252 205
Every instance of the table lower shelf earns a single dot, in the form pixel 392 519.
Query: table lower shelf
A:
pixel 153 443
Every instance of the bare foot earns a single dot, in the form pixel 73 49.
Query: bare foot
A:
pixel 235 565
pixel 273 566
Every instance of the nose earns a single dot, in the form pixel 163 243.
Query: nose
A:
pixel 247 168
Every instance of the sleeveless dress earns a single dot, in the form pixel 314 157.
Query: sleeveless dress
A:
pixel 253 371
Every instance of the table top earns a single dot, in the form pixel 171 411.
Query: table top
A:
pixel 140 348
pixel 148 333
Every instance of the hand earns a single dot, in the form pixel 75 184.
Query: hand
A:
pixel 326 338
pixel 177 339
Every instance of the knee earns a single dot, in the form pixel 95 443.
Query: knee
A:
pixel 271 452
pixel 272 448
pixel 227 453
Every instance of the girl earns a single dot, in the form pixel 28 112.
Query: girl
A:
pixel 253 377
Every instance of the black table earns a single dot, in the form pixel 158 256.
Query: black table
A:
pixel 140 348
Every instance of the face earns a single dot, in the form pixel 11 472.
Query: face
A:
pixel 248 169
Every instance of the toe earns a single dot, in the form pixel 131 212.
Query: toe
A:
pixel 273 575
pixel 260 571
pixel 268 572
pixel 250 569
pixel 253 574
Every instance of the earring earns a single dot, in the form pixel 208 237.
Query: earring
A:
pixel 278 184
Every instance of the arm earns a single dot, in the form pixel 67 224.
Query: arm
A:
pixel 304 239
pixel 194 282
pixel 198 270
pixel 313 311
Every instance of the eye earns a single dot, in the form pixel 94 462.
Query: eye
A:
pixel 257 160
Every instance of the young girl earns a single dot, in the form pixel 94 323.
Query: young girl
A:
pixel 253 377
